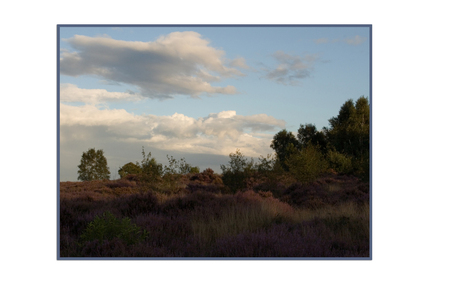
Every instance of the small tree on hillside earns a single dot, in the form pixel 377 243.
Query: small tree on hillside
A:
pixel 151 170
pixel 129 168
pixel 93 166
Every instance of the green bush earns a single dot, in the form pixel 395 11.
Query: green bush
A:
pixel 307 164
pixel 129 169
pixel 341 163
pixel 238 171
pixel 108 227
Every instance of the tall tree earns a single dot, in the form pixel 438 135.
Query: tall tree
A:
pixel 349 133
pixel 308 134
pixel 93 166
pixel 284 143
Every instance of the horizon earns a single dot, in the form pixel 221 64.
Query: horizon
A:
pixel 200 93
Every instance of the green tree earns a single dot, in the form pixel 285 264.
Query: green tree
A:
pixel 129 168
pixel 238 170
pixel 308 133
pixel 349 134
pixel 179 167
pixel 93 166
pixel 151 170
pixel 307 164
pixel 284 143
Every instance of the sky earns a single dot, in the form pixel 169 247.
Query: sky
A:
pixel 200 93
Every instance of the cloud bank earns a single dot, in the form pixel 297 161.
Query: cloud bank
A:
pixel 180 63
pixel 72 93
pixel 218 133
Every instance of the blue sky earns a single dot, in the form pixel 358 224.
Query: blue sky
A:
pixel 200 92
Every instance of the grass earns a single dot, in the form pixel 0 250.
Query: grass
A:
pixel 326 218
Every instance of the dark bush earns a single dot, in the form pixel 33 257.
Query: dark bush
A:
pixel 108 227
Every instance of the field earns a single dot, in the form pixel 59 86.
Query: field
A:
pixel 196 215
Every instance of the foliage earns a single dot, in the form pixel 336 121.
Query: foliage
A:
pixel 207 176
pixel 238 170
pixel 93 166
pixel 179 167
pixel 266 164
pixel 349 132
pixel 284 143
pixel 325 218
pixel 308 164
pixel 308 134
pixel 340 163
pixel 108 227
pixel 151 170
pixel 129 169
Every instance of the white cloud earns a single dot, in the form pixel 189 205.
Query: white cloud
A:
pixel 291 68
pixel 72 93
pixel 218 133
pixel 178 63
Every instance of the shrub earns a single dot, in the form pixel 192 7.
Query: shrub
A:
pixel 108 227
pixel 341 163
pixel 128 169
pixel 307 165
pixel 237 172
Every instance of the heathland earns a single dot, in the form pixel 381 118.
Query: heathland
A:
pixel 310 199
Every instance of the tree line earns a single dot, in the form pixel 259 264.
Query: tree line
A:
pixel 343 148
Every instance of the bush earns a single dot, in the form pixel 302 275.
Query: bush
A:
pixel 237 172
pixel 128 169
pixel 341 163
pixel 307 165
pixel 109 227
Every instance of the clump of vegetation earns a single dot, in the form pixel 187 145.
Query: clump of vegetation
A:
pixel 307 164
pixel 237 172
pixel 108 227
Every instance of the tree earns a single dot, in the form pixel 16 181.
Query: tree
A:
pixel 93 166
pixel 308 133
pixel 307 164
pixel 129 168
pixel 349 134
pixel 284 143
pixel 151 170
pixel 179 167
pixel 238 170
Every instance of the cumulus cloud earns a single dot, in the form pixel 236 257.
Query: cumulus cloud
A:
pixel 218 133
pixel 291 68
pixel 72 93
pixel 178 63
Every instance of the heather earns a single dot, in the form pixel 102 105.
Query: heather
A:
pixel 201 217
pixel 310 199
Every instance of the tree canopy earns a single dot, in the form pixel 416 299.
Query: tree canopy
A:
pixel 344 145
pixel 93 166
